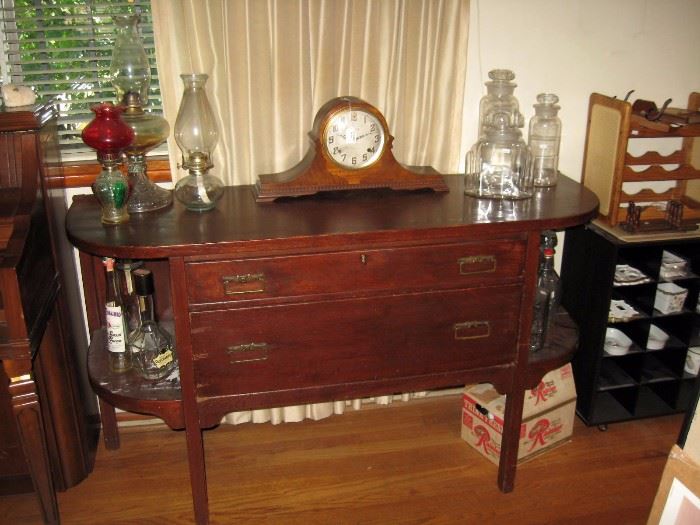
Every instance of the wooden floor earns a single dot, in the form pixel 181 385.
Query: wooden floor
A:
pixel 403 464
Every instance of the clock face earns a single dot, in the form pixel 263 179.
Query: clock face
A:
pixel 354 138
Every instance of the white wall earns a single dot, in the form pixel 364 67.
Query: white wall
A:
pixel 576 47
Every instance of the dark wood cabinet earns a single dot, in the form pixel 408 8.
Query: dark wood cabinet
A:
pixel 47 433
pixel 330 298
pixel 649 379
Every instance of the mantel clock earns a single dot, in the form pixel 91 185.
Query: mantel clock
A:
pixel 350 150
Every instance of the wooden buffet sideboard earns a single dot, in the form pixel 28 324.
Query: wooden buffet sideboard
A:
pixel 332 297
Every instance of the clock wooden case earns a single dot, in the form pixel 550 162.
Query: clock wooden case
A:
pixel 350 150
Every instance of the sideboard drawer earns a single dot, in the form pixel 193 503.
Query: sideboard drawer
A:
pixel 397 269
pixel 270 348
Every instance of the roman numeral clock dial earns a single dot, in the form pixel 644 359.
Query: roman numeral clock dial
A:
pixel 350 150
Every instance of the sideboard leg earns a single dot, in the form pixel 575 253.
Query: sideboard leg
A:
pixel 511 438
pixel 25 405
pixel 198 475
pixel 110 431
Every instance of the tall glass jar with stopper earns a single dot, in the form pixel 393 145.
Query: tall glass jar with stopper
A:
pixel 499 98
pixel 196 134
pixel 497 166
pixel 544 138
pixel 130 72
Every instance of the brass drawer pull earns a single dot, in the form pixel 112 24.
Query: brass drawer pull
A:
pixel 472 330
pixel 235 284
pixel 248 352
pixel 477 264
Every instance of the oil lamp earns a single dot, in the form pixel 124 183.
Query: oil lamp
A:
pixel 109 135
pixel 130 72
pixel 196 135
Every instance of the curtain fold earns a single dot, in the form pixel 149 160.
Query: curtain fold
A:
pixel 272 64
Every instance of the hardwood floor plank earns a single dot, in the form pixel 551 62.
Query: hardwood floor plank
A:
pixel 404 464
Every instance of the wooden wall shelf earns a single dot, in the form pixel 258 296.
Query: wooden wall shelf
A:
pixel 608 164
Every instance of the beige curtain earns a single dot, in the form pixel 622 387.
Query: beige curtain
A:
pixel 273 63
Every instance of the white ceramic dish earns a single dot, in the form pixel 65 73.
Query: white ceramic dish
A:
pixel 672 266
pixel 628 275
pixel 657 338
pixel 692 361
pixel 616 342
pixel 669 298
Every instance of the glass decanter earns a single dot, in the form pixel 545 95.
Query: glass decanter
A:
pixel 544 138
pixel 151 348
pixel 109 135
pixel 196 134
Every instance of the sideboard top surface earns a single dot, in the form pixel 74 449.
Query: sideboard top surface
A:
pixel 239 223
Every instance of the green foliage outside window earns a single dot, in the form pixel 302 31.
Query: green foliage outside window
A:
pixel 63 49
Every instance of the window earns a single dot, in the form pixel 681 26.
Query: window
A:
pixel 63 49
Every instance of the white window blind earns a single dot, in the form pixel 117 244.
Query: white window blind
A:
pixel 63 49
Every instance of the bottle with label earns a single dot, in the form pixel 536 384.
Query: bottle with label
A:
pixel 547 299
pixel 152 350
pixel 124 270
pixel 119 358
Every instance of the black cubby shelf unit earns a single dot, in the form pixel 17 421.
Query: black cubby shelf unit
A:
pixel 649 379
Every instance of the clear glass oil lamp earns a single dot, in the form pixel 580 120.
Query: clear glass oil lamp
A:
pixel 130 72
pixel 109 135
pixel 150 131
pixel 196 134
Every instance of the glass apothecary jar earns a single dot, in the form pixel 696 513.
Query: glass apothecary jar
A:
pixel 544 137
pixel 498 165
pixel 499 98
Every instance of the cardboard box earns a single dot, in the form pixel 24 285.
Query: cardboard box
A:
pixel 548 416
pixel 677 500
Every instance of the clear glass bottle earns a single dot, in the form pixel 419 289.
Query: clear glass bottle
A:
pixel 196 134
pixel 497 166
pixel 544 138
pixel 152 350
pixel 125 269
pixel 499 98
pixel 119 358
pixel 547 300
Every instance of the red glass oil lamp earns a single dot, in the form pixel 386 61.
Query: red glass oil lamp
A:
pixel 109 135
